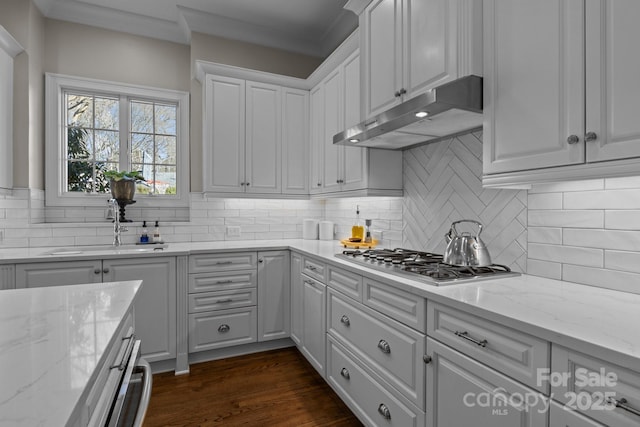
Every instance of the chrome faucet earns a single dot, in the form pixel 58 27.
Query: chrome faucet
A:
pixel 112 213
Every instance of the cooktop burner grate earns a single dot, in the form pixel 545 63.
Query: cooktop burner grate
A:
pixel 420 265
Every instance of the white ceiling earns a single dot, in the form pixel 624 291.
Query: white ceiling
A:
pixel 312 27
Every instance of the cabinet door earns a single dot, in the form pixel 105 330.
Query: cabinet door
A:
pixel 533 84
pixel 223 139
pixel 463 392
pixel 295 141
pixel 7 277
pixel 273 295
pixel 429 44
pixel 58 273
pixel 354 159
pixel 314 323
pixel 613 93
pixel 316 127
pixel 296 298
pixel 382 23
pixel 263 142
pixel 333 123
pixel 155 306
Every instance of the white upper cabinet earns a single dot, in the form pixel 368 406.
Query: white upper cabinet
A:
pixel 338 169
pixel 411 46
pixel 224 134
pixel 255 137
pixel 560 103
pixel 263 138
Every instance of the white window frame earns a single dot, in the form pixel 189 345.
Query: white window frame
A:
pixel 55 87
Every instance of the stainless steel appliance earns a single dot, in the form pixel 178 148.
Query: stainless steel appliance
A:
pixel 423 266
pixel 447 110
pixel 128 389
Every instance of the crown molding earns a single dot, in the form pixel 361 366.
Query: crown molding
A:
pixel 9 44
pixel 357 6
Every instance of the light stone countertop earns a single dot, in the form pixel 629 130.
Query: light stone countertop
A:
pixel 578 316
pixel 53 341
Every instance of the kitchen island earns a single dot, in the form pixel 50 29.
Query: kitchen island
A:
pixel 54 343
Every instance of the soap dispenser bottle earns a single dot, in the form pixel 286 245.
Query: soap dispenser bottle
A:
pixel 357 231
pixel 144 237
pixel 156 234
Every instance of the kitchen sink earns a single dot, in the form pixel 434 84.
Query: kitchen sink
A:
pixel 123 249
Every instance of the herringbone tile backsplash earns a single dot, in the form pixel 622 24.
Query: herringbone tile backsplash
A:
pixel 442 184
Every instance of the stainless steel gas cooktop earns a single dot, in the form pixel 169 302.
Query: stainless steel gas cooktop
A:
pixel 423 266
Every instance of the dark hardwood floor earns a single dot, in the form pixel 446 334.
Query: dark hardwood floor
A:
pixel 273 388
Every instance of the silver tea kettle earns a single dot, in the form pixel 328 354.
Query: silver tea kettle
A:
pixel 464 249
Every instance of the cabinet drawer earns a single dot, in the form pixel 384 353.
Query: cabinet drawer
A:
pixel 223 328
pixel 207 301
pixel 314 269
pixel 594 381
pixel 374 404
pixel 202 263
pixel 509 351
pixel 205 282
pixel 391 349
pixel 346 282
pixel 561 416
pixel 402 306
pixel 462 392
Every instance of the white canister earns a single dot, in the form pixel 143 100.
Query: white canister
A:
pixel 326 230
pixel 310 229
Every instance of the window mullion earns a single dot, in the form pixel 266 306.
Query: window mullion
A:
pixel 124 133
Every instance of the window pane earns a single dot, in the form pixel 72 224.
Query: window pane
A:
pixel 141 148
pixel 107 113
pixel 79 110
pixel 166 119
pixel 166 150
pixel 141 117
pixel 165 179
pixel 80 176
pixel 79 143
pixel 107 146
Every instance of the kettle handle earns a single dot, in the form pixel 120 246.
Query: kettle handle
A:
pixel 453 225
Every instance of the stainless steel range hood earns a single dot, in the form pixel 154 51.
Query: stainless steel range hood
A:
pixel 453 108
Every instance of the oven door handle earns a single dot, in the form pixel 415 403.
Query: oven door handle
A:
pixel 146 392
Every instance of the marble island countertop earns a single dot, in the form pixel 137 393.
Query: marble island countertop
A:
pixel 565 313
pixel 52 342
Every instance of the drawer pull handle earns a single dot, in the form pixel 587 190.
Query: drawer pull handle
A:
pixel 466 336
pixel 223 328
pixel 224 262
pixel 384 411
pixel 222 282
pixel 345 373
pixel 345 320
pixel 312 268
pixel 222 301
pixel 622 404
pixel 384 346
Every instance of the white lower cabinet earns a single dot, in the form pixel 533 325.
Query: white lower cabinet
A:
pixel 273 295
pixel 296 298
pixel 562 416
pixel 7 276
pixel 374 403
pixel 462 392
pixel 222 328
pixel 313 323
pixel 154 308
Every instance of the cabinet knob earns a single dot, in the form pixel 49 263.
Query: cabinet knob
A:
pixel 261 260
pixel 105 271
pixel 242 184
pixel 397 94
pixel 97 271
pixel 426 359
pixel 384 346
pixel 403 91
pixel 345 373
pixel 384 411
pixel 345 320
pixel 247 184
pixel 319 184
pixel 573 139
pixel 223 328
pixel 590 136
